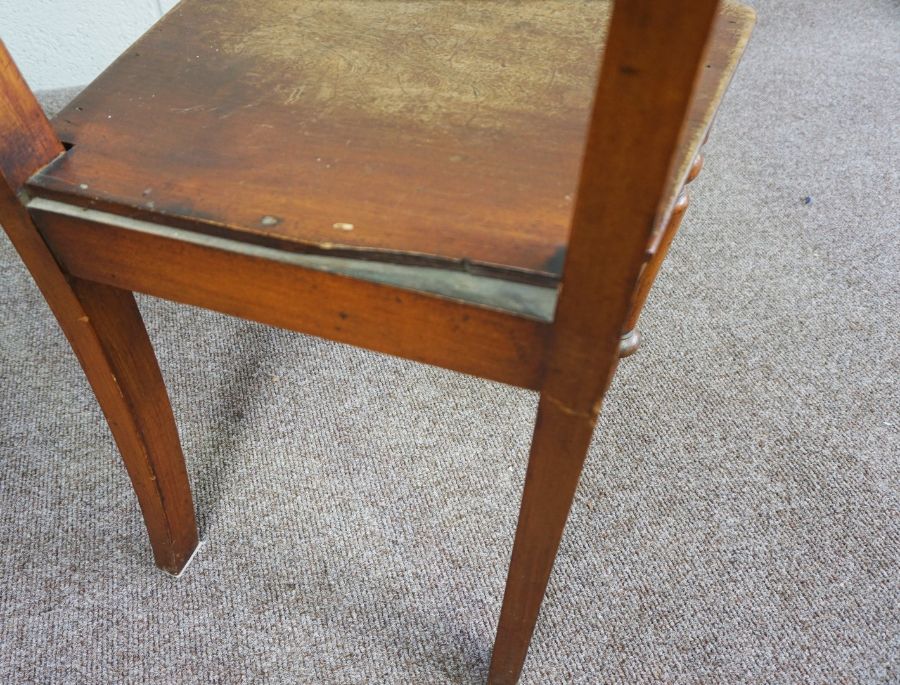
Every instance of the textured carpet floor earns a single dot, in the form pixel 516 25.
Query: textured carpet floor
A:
pixel 738 518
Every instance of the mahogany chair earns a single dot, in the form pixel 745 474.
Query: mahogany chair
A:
pixel 451 182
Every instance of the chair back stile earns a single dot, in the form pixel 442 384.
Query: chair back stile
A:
pixel 653 56
pixel 27 141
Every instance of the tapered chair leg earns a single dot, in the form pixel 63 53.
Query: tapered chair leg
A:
pixel 104 328
pixel 106 332
pixel 558 450
pixel 119 362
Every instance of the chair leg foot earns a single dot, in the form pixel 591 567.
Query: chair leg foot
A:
pixel 110 340
pixel 561 440
pixel 629 343
pixel 186 565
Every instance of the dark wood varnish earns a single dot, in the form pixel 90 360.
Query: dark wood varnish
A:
pixel 104 327
pixel 457 135
pixel 443 132
pixel 474 340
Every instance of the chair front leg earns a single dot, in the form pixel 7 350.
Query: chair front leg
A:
pixel 106 332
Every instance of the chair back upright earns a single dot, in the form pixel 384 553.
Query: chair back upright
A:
pixel 653 56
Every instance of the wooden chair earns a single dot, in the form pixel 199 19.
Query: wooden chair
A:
pixel 424 179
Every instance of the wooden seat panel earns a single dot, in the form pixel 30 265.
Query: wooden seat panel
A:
pixel 438 133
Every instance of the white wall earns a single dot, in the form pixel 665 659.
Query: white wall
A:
pixel 61 43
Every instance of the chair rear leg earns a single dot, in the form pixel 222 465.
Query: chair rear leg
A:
pixel 558 450
pixel 631 338
pixel 106 332
pixel 115 352
pixel 650 272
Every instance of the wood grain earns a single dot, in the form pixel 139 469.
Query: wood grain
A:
pixel 649 71
pixel 106 333
pixel 418 326
pixel 445 133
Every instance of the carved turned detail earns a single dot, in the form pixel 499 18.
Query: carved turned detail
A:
pixel 656 253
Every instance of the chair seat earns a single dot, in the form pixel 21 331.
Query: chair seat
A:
pixel 425 133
